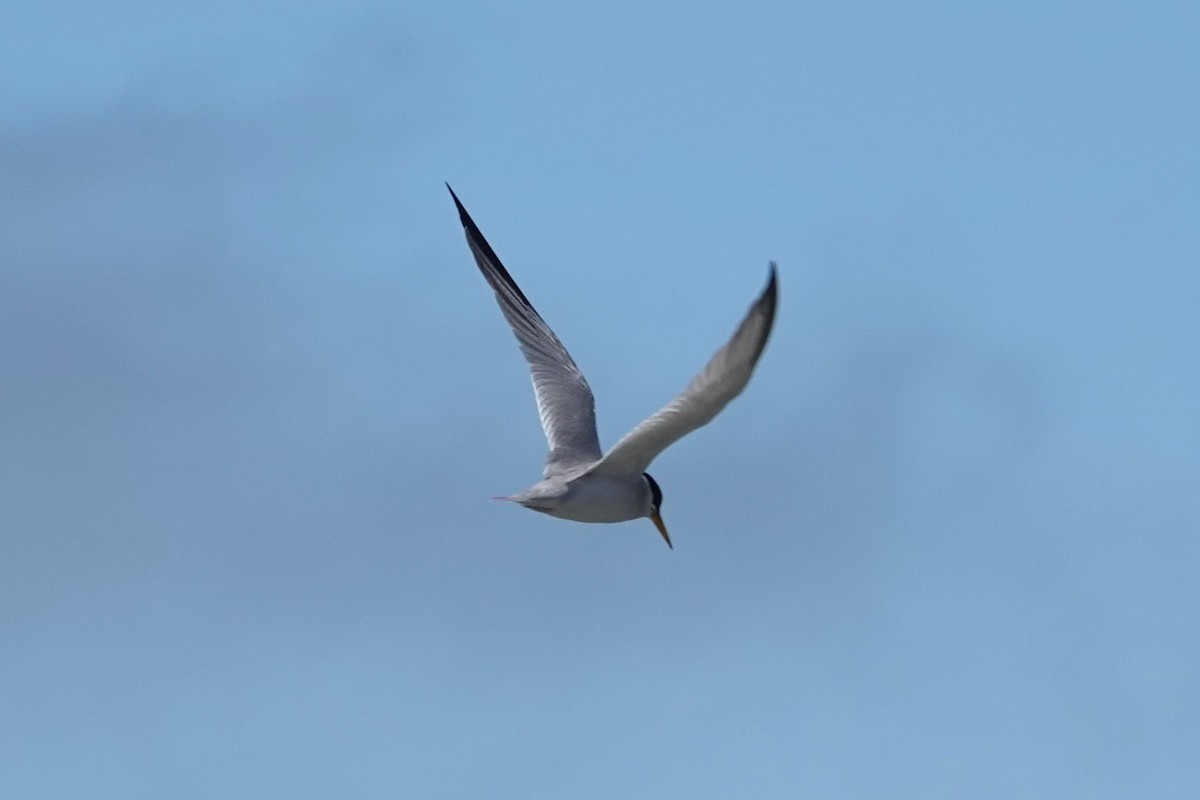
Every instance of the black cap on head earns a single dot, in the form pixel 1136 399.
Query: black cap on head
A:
pixel 655 492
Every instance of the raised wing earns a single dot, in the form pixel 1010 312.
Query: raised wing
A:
pixel 721 380
pixel 564 399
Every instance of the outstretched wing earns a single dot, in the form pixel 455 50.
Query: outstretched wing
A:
pixel 721 380
pixel 564 399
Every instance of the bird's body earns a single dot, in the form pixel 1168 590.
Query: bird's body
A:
pixel 581 483
pixel 589 497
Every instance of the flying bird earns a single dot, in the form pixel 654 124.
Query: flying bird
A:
pixel 581 483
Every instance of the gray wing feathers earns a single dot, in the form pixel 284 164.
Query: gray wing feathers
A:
pixel 721 380
pixel 564 399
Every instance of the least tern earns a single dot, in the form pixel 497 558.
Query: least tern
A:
pixel 580 482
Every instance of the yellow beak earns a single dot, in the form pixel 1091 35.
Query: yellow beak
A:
pixel 658 523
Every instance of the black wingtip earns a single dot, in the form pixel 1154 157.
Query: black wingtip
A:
pixel 473 232
pixel 462 212
pixel 770 292
pixel 766 305
pixel 481 248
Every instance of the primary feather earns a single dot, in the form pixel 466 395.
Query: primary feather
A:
pixel 564 399
pixel 721 380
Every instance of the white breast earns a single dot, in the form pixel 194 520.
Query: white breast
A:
pixel 598 498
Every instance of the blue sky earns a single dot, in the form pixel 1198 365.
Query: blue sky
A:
pixel 256 394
